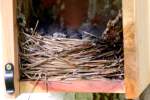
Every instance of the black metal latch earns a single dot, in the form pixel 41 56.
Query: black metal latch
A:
pixel 9 78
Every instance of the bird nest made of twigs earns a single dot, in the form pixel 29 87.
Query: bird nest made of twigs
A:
pixel 68 59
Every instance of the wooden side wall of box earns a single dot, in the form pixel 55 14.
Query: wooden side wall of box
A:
pixel 9 44
pixel 136 46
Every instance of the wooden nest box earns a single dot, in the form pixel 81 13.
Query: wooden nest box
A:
pixel 136 55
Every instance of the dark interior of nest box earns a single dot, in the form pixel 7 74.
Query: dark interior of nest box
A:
pixel 70 39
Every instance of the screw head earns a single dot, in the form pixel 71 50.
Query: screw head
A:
pixel 8 67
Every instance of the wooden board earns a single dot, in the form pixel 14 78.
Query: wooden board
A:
pixel 102 85
pixel 9 47
pixel 136 46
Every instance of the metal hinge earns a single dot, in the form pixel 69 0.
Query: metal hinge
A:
pixel 9 78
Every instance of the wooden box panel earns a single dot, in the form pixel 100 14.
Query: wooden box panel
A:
pixel 136 51
pixel 136 46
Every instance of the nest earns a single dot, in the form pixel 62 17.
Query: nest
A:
pixel 56 59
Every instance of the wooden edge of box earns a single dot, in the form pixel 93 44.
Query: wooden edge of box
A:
pixel 136 46
pixel 102 85
pixel 9 43
pixel 131 68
